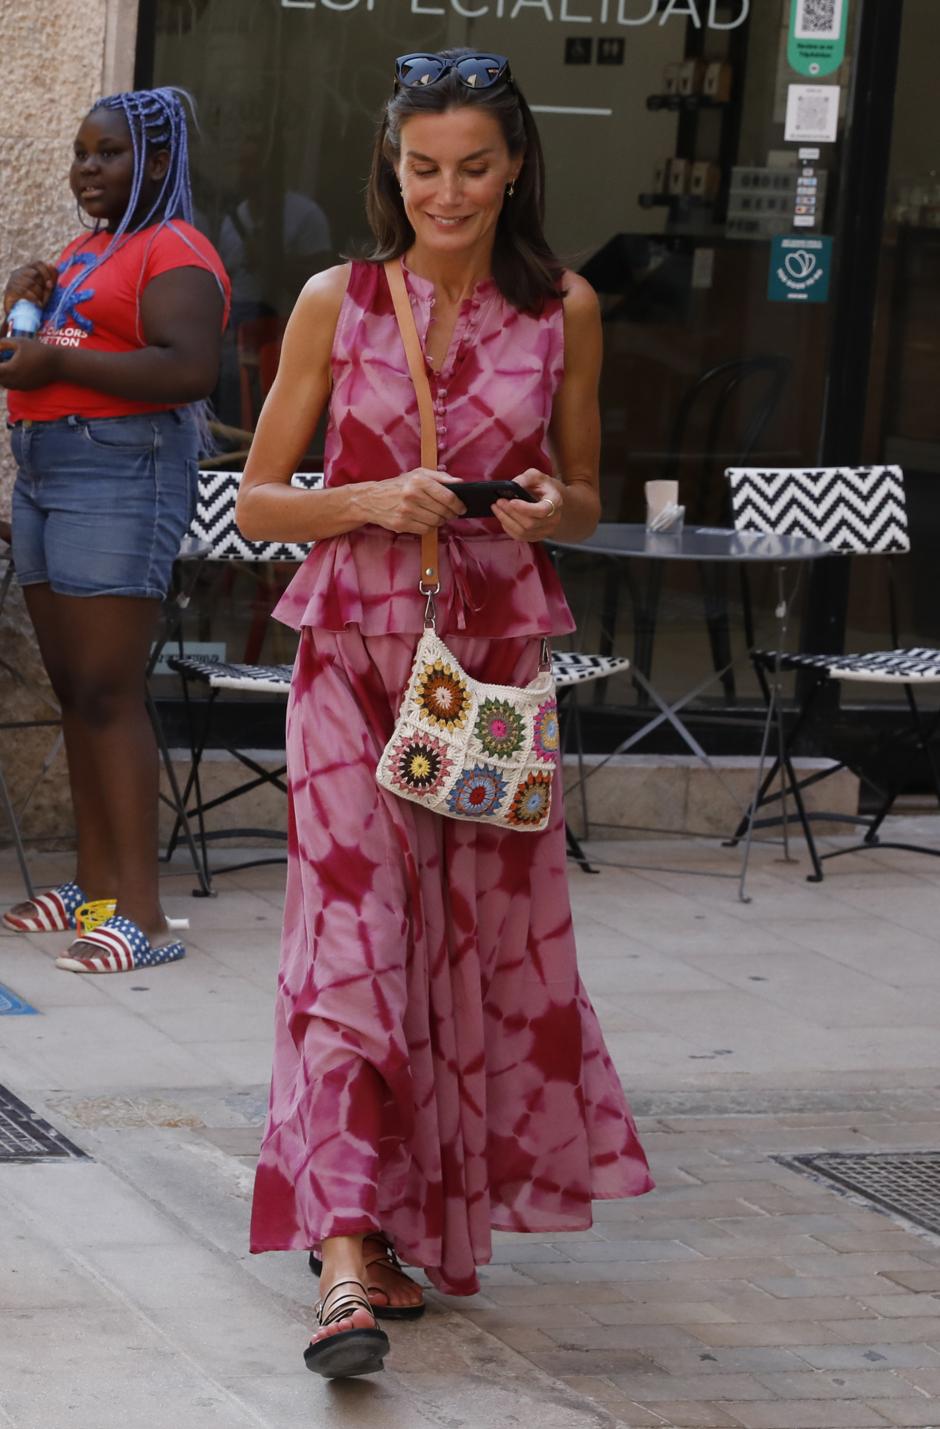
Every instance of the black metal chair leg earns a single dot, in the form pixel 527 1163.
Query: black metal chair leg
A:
pixel 193 785
pixel 195 774
pixel 795 788
pixel 181 821
pixel 756 804
pixel 610 606
pixel 12 820
pixel 922 738
pixel 871 839
pixel 645 618
pixel 925 737
pixel 715 599
pixel 577 852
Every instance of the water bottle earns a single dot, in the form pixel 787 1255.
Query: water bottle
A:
pixel 23 320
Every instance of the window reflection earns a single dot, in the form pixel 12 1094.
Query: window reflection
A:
pixel 667 174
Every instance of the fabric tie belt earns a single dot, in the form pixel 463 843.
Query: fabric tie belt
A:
pixel 467 573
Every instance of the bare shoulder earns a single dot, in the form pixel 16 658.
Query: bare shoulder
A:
pixel 324 292
pixel 582 317
pixel 309 336
pixel 580 301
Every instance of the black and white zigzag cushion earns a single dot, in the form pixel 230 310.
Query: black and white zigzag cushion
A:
pixel 222 675
pixel 851 508
pixel 214 521
pixel 887 667
pixel 571 667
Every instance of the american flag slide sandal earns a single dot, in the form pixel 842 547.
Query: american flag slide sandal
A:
pixel 121 947
pixel 55 911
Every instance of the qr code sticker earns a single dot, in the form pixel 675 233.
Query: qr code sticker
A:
pixel 818 19
pixel 812 113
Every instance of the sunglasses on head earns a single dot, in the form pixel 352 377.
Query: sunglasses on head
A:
pixel 475 71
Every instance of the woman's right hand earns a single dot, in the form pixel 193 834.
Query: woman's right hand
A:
pixel 415 502
pixel 34 281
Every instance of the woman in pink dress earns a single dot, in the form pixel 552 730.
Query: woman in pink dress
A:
pixel 438 1069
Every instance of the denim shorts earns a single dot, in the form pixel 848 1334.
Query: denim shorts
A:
pixel 101 504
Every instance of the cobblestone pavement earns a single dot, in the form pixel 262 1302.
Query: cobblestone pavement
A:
pixel 743 1292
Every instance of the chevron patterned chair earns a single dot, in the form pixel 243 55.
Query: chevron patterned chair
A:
pixel 860 511
pixel 214 526
pixel 571 670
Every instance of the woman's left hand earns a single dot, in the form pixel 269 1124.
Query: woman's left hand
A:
pixel 33 364
pixel 528 520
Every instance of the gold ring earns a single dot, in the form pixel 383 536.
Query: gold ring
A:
pixel 552 505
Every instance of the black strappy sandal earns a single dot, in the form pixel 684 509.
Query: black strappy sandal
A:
pixel 386 1256
pixel 350 1352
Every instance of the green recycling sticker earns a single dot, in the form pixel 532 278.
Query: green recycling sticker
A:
pixel 799 269
pixel 816 44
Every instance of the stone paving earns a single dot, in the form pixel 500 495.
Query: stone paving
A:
pixel 743 1292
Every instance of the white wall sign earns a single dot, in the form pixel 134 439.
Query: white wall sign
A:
pixel 702 13
pixel 812 113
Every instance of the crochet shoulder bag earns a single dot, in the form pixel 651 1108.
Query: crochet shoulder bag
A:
pixel 462 748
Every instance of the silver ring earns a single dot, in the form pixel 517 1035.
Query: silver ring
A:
pixel 552 505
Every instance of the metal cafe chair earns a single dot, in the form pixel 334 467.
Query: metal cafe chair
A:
pixel 214 526
pixel 859 511
pixel 174 606
pixel 571 669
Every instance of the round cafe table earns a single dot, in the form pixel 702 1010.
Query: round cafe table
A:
pixel 618 540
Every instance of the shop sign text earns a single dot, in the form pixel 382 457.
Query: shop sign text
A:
pixel 702 13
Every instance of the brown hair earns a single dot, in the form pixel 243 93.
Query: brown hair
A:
pixel 526 270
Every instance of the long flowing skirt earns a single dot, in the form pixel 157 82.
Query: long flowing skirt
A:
pixel 438 1068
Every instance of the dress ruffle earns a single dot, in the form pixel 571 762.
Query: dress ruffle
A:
pixel 369 579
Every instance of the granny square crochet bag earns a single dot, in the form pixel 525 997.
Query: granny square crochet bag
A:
pixel 461 747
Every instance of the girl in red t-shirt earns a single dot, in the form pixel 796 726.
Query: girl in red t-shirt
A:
pixel 104 411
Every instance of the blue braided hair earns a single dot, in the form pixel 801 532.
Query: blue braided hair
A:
pixel 156 119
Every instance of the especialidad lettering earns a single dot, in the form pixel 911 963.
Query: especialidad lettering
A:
pixel 702 13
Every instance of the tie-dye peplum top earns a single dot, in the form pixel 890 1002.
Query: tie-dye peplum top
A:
pixel 493 402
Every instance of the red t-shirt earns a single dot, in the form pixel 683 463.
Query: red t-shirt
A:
pixel 106 313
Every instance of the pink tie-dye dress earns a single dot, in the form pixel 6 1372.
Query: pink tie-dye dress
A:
pixel 438 1068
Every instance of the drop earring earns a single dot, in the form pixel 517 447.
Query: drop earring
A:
pixel 511 189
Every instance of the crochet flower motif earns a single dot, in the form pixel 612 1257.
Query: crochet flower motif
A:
pixel 499 728
pixel 532 801
pixel 419 764
pixel 442 697
pixel 545 742
pixel 478 792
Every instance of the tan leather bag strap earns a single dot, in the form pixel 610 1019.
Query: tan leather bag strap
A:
pixel 419 376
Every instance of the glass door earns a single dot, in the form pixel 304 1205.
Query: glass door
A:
pixel 902 412
pixel 672 174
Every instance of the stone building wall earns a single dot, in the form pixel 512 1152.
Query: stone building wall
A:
pixel 58 57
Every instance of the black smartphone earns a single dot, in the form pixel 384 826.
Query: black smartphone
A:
pixel 478 496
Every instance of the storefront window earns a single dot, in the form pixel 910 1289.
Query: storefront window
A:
pixel 903 413
pixel 670 172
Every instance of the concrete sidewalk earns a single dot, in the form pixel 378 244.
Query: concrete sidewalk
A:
pixel 741 1293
